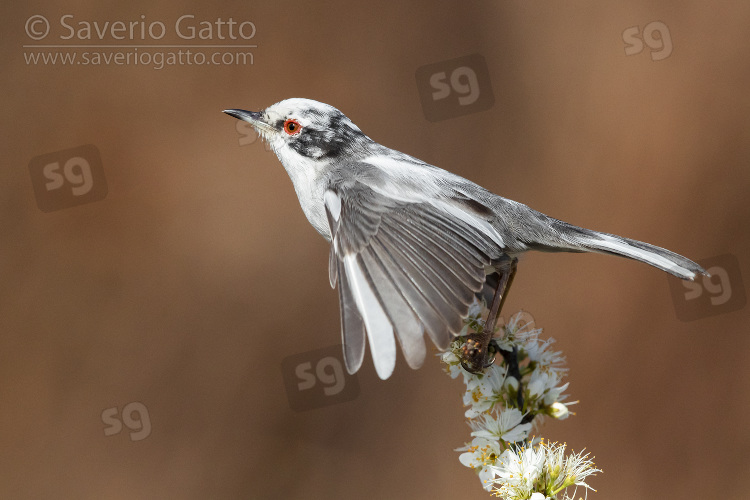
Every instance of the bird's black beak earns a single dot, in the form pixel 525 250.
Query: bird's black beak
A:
pixel 254 118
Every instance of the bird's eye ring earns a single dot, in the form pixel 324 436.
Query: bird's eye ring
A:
pixel 292 127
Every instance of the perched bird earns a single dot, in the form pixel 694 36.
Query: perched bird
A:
pixel 412 245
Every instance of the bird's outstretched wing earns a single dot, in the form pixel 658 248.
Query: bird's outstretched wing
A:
pixel 402 269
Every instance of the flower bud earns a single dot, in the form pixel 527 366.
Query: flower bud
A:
pixel 511 383
pixel 558 410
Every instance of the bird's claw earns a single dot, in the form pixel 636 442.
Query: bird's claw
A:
pixel 475 359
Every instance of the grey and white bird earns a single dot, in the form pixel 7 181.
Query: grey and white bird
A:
pixel 413 245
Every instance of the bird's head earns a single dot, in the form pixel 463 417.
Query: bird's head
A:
pixel 303 130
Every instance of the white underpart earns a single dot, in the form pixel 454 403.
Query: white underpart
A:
pixel 611 243
pixel 304 173
pixel 379 328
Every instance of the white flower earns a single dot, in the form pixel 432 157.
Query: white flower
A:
pixel 511 383
pixel 541 381
pixel 542 468
pixel 578 467
pixel 474 318
pixel 535 469
pixel 476 308
pixel 517 472
pixel 506 427
pixel 481 456
pixel 559 411
pixel 539 352
pixel 555 394
pixel 453 363
pixel 483 391
pixel 543 385
pixel 562 472
pixel 517 331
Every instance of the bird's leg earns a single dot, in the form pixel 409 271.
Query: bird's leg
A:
pixel 476 350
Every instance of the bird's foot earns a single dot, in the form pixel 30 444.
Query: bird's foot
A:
pixel 479 353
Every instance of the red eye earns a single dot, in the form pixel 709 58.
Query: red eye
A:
pixel 292 127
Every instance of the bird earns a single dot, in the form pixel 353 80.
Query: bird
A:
pixel 413 246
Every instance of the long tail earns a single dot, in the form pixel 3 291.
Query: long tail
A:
pixel 578 239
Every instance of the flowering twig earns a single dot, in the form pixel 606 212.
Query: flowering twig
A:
pixel 511 360
pixel 503 403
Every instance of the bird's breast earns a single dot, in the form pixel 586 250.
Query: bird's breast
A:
pixel 310 188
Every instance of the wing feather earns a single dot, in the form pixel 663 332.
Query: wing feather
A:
pixel 462 265
pixel 409 331
pixel 402 269
pixel 377 323
pixel 427 281
pixel 352 326
pixel 434 267
pixel 333 268
pixel 432 321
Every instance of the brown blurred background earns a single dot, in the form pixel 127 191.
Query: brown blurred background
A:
pixel 185 287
